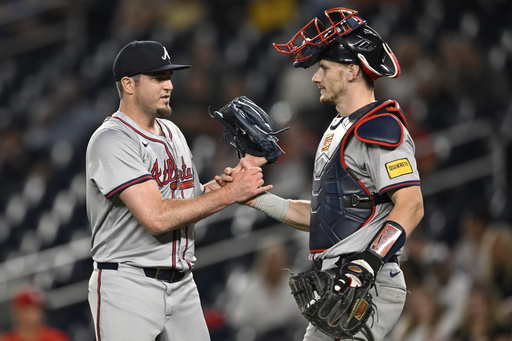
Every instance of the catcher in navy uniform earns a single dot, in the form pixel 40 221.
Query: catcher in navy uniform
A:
pixel 366 197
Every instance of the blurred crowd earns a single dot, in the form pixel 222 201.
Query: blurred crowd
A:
pixel 29 318
pixel 463 291
pixel 456 60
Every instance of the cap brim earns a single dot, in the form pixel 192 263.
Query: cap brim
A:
pixel 168 67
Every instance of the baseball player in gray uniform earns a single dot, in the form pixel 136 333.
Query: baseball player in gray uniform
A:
pixel 143 198
pixel 366 199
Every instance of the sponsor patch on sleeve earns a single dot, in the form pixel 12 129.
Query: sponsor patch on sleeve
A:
pixel 398 167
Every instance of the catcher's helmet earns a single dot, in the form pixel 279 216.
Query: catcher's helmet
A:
pixel 348 39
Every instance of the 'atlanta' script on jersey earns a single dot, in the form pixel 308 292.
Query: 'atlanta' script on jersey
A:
pixel 178 178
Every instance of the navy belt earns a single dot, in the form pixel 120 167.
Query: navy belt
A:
pixel 161 274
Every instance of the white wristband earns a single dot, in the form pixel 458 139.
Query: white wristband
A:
pixel 272 205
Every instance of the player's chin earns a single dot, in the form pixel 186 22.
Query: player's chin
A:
pixel 326 100
pixel 164 112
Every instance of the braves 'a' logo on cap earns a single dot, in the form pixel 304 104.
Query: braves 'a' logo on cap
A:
pixel 166 55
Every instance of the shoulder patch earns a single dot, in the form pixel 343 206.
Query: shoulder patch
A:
pixel 398 167
pixel 383 129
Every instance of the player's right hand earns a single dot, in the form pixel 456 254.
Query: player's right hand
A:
pixel 246 182
pixel 226 177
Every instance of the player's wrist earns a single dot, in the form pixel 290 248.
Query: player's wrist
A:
pixel 388 240
pixel 255 161
pixel 272 205
pixel 226 197
pixel 384 245
pixel 369 261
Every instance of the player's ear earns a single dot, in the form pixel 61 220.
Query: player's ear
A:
pixel 128 84
pixel 354 71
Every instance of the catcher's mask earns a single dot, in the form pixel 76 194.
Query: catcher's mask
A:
pixel 347 39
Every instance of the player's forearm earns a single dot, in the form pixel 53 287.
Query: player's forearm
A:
pixel 299 214
pixel 408 209
pixel 176 213
pixel 158 215
pixel 295 213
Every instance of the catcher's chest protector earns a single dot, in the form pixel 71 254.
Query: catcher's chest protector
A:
pixel 332 219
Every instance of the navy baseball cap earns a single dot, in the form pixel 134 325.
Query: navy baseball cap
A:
pixel 143 57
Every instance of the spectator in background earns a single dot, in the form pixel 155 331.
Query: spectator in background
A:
pixel 28 313
pixel 271 15
pixel 134 19
pixel 182 16
pixel 480 319
pixel 496 256
pixel 475 220
pixel 423 314
pixel 260 304
pixel 14 160
pixel 451 286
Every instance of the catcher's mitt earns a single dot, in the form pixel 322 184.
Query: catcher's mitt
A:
pixel 251 128
pixel 336 309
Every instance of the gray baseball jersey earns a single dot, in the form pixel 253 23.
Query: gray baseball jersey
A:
pixel 121 154
pixel 124 302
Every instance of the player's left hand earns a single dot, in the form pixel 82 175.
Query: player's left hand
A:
pixel 226 177
pixel 359 270
pixel 353 274
pixel 255 161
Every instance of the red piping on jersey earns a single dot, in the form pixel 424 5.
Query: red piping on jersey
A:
pixel 186 248
pixel 174 237
pixel 399 185
pixel 147 137
pixel 166 127
pixel 399 113
pixel 128 184
pixel 98 308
